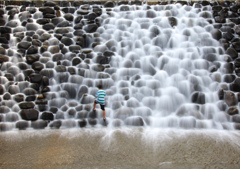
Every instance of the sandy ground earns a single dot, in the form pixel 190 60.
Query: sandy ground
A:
pixel 123 148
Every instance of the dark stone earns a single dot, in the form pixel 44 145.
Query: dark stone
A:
pixel 71 113
pixel 74 48
pixel 45 89
pixel 26 105
pixel 232 52
pixel 236 46
pixel 4 109
pixel 29 91
pixel 5 127
pixel 36 78
pixel 5 30
pixel 56 21
pixel 220 19
pixel 29 114
pixel 32 27
pixel 67 41
pixel 237 62
pixel 37 66
pixel 236 118
pixel 76 61
pixel 109 4
pixel 43 49
pixel 198 97
pixel 234 87
pixel 69 10
pixel 50 4
pixel 230 98
pixel 2 22
pixel 228 68
pixel 45 81
pixel 91 28
pixel 210 57
pixel 55 124
pixel 7 96
pixel 47 116
pixel 13 89
pixel 35 86
pixel 43 21
pixel 32 10
pixel 134 121
pixel 48 26
pixel 18 97
pixel 24 45
pixel 22 125
pixel 2 89
pixel 83 114
pixel 60 68
pixel 42 101
pixel 3 40
pixel 47 10
pixel 2 51
pixel 30 98
pixel 54 49
pixel 103 59
pixel 92 122
pixel 82 123
pixel 92 114
pixel 229 78
pixel 64 24
pixel 9 76
pixel 42 107
pixel 44 37
pixel 69 17
pixel 3 58
pixel 172 21
pixel 11 117
pixel 228 36
pixel 32 58
pixel 40 124
pixel 12 24
pixel 82 12
pixel 47 72
pixel 32 50
pixel 232 110
pixel 92 16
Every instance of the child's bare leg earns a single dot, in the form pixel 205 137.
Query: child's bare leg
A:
pixel 104 114
pixel 94 106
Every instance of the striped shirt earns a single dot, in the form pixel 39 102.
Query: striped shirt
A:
pixel 101 96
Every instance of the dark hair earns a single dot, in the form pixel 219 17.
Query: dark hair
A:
pixel 100 86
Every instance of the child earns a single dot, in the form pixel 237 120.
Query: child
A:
pixel 100 99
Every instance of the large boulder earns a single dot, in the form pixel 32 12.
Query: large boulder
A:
pixel 26 105
pixel 230 98
pixel 39 124
pixel 29 114
pixel 22 125
pixel 3 58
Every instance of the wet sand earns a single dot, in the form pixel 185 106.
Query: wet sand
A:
pixel 120 148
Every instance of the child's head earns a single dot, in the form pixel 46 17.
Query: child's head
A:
pixel 100 86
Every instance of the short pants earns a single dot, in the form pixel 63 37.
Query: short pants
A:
pixel 102 106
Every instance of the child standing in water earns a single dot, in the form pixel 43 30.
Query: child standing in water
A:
pixel 100 99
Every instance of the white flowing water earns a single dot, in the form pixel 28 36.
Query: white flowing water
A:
pixel 159 66
pixel 159 75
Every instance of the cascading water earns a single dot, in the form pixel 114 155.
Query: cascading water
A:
pixel 159 65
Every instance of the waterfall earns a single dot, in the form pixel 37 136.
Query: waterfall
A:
pixel 160 66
